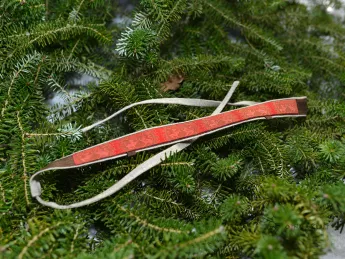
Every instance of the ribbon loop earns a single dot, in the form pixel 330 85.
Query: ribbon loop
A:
pixel 180 134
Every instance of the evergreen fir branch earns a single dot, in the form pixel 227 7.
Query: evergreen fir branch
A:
pixel 141 21
pixel 24 67
pixel 241 135
pixel 302 151
pixel 23 158
pixel 332 151
pixel 60 111
pixel 331 195
pixel 2 193
pixel 224 169
pixel 73 49
pixel 56 86
pixel 244 240
pixel 36 237
pixel 39 70
pixel 47 33
pixel 166 199
pixel 74 239
pixel 248 29
pixel 270 154
pixel 69 131
pixel 61 63
pixel 137 43
pixel 202 238
pixel 147 224
pixel 202 63
pixel 173 15
pixel 124 248
pixel 195 246
pixel 52 32
pixel 74 15
pixel 275 81
pixel 310 214
pixel 158 9
pixel 233 208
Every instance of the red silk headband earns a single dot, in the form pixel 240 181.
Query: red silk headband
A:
pixel 169 134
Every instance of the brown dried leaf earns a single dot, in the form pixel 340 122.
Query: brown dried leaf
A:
pixel 173 83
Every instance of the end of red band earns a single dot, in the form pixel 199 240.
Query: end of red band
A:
pixel 302 106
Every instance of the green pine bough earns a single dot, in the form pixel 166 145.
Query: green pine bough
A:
pixel 262 189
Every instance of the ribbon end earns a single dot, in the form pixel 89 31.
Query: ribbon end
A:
pixel 64 162
pixel 302 106
pixel 35 188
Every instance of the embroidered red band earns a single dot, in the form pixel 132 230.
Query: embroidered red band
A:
pixel 169 133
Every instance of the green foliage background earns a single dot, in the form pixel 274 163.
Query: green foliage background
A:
pixel 260 190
